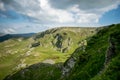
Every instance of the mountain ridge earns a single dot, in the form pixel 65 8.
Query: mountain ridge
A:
pixel 50 46
pixel 99 59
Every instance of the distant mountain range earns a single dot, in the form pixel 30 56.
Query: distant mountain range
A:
pixel 4 37
pixel 2 34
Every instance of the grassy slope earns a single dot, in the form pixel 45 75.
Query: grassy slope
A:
pixel 14 52
pixel 11 52
pixel 76 35
pixel 112 69
pixel 90 64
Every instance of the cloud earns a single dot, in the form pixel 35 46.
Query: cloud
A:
pixel 60 11
pixel 19 9
pixel 85 11
pixel 82 4
pixel 2 7
pixel 21 6
pixel 8 31
pixel 24 27
pixel 55 15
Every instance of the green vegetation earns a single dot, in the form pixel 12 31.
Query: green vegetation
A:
pixel 49 72
pixel 54 45
pixel 96 58
pixel 91 64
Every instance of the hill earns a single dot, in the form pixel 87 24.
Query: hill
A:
pixel 53 46
pixel 99 59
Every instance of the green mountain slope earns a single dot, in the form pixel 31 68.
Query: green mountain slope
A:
pixel 99 59
pixel 51 46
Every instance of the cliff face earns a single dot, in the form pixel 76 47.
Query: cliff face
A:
pixel 98 58
pixel 70 63
pixel 63 39
pixel 111 50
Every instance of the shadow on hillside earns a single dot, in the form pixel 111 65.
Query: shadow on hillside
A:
pixel 42 71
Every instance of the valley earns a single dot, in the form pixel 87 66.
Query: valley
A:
pixel 52 46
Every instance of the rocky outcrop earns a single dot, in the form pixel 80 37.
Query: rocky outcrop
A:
pixel 35 44
pixel 64 50
pixel 110 51
pixel 113 46
pixel 70 63
pixel 59 39
pixel 62 44
pixel 68 66
pixel 62 39
pixel 49 61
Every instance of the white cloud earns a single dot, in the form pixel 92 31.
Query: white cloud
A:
pixel 2 6
pixel 24 27
pixel 8 31
pixel 76 12
pixel 54 15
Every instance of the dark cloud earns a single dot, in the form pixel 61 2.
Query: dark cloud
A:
pixel 82 4
pixel 10 4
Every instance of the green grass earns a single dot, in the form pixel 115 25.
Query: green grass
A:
pixel 13 51
pixel 91 62
pixel 41 71
pixel 8 61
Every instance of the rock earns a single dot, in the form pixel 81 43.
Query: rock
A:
pixel 69 41
pixel 110 51
pixel 65 50
pixel 21 65
pixel 69 64
pixel 28 53
pixel 35 44
pixel 20 39
pixel 59 39
pixel 49 61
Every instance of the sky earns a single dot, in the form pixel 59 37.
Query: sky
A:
pixel 27 16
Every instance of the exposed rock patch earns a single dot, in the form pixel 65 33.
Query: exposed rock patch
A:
pixel 35 44
pixel 49 61
pixel 110 51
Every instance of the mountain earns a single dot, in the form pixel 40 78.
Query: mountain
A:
pixel 98 59
pixel 2 34
pixel 101 58
pixel 53 46
pixel 4 37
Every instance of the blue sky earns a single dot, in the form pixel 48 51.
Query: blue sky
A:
pixel 26 16
pixel 111 17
